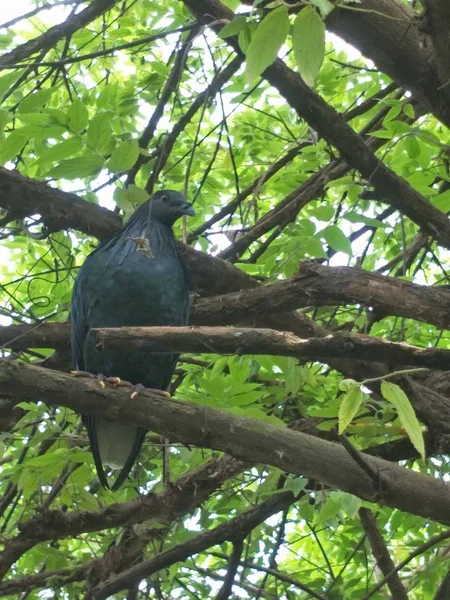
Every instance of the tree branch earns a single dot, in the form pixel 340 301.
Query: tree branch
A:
pixel 246 439
pixel 381 554
pixel 389 33
pixel 53 35
pixel 22 197
pixel 319 285
pixel 389 187
pixel 420 550
pixel 186 493
pixel 232 567
pixel 226 340
pixel 239 526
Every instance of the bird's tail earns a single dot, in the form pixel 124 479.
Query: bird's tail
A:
pixel 115 444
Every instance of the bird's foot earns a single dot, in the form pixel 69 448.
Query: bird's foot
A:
pixel 102 380
pixel 114 381
pixel 83 374
pixel 139 387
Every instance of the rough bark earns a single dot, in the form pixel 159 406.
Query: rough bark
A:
pixel 234 340
pixel 246 439
pixel 390 34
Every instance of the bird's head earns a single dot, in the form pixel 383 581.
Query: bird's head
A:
pixel 165 206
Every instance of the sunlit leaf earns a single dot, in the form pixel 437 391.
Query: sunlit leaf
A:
pixel 266 42
pixel 233 27
pixel 350 404
pixel 124 156
pixel 394 394
pixel 308 41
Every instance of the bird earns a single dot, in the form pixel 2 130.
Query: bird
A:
pixel 136 278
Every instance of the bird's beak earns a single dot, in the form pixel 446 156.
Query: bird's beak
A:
pixel 188 210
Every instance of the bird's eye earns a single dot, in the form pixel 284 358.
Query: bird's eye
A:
pixel 165 198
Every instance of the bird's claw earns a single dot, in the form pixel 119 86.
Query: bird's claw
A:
pixel 139 387
pixel 82 374
pixel 114 381
pixel 102 380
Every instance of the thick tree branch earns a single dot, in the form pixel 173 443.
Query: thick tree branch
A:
pixel 226 340
pixel 319 285
pixel 388 32
pixel 316 285
pixel 23 197
pixel 54 577
pixel 437 16
pixel 246 439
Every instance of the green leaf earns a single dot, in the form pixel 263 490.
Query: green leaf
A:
pixel 408 109
pixel 244 399
pixel 349 503
pixel 135 195
pixel 325 6
pixel 350 403
pixel 99 131
pixel 233 27
pixel 5 117
pixel 36 100
pixel 7 81
pixel 61 150
pixel 77 168
pixel 324 212
pixel 124 156
pixel 412 146
pixel 392 113
pixel 346 384
pixel 12 145
pixel 314 248
pixel 337 239
pixel 381 133
pixel 78 116
pixel 306 510
pixel 35 118
pixel 245 36
pixel 328 511
pixel 308 41
pixel 394 394
pixel 355 217
pixel 28 482
pixel 266 42
pixel 296 485
pixel 442 201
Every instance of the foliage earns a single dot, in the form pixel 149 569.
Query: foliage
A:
pixel 110 125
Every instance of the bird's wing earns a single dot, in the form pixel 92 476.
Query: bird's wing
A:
pixel 89 423
pixel 79 331
pixel 79 327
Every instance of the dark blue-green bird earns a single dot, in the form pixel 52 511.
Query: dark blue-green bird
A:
pixel 136 278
